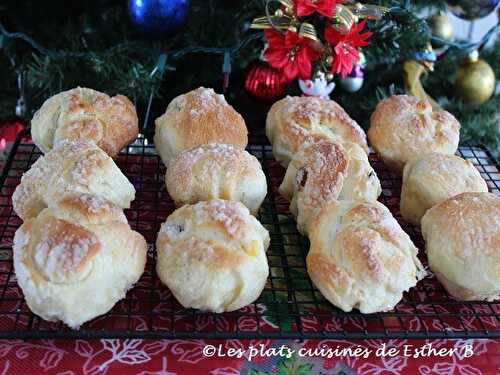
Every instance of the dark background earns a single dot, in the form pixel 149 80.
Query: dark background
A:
pixel 97 27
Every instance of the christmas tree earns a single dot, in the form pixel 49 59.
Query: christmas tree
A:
pixel 47 47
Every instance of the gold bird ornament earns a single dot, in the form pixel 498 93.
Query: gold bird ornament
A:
pixel 413 71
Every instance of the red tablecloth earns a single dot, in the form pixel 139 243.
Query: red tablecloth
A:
pixel 65 357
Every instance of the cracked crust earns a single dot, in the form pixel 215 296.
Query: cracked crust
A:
pixel 292 121
pixel 462 236
pixel 196 118
pixel 404 127
pixel 86 114
pixel 80 249
pixel 211 255
pixel 360 257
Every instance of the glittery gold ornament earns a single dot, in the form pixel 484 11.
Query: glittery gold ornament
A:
pixel 475 82
pixel 441 27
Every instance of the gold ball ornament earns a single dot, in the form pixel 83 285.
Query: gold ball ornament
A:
pixel 476 80
pixel 441 26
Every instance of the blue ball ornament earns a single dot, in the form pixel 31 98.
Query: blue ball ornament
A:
pixel 157 19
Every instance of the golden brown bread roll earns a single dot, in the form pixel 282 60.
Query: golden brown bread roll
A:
pixel 360 257
pixel 212 256
pixel 324 171
pixel 197 118
pixel 462 236
pixel 85 114
pixel 216 171
pixel 71 166
pixel 404 127
pixel 77 258
pixel 291 121
pixel 433 178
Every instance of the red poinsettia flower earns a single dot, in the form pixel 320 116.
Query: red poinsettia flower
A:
pixel 307 7
pixel 291 53
pixel 346 46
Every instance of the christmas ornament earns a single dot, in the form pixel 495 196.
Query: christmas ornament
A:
pixel 346 47
pixel 291 53
pixel 157 19
pixel 319 87
pixel 21 107
pixel 343 17
pixel 294 45
pixel 422 63
pixel 354 81
pixel 441 27
pixel 264 82
pixel 9 131
pixel 324 7
pixel 472 9
pixel 476 80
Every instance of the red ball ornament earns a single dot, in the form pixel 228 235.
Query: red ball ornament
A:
pixel 9 131
pixel 264 82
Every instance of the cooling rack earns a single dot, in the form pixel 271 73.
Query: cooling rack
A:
pixel 289 307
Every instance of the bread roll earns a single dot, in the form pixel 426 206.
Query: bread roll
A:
pixel 212 256
pixel 360 257
pixel 462 236
pixel 197 118
pixel 72 166
pixel 85 114
pixel 404 127
pixel 216 171
pixel 291 121
pixel 77 258
pixel 324 171
pixel 433 178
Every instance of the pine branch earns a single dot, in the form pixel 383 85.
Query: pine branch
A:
pixel 104 52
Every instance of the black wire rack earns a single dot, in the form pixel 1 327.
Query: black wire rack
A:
pixel 289 307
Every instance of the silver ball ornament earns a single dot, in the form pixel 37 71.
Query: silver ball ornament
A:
pixel 472 9
pixel 354 81
pixel 351 84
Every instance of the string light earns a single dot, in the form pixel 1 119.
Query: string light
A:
pixel 228 53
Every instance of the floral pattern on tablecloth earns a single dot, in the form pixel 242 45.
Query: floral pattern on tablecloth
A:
pixel 169 357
